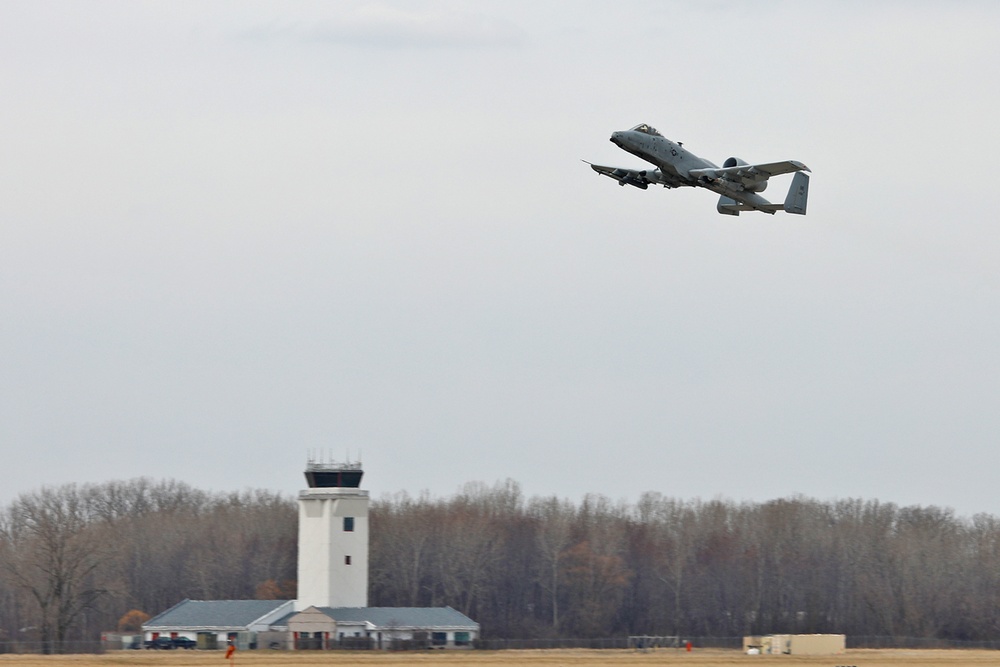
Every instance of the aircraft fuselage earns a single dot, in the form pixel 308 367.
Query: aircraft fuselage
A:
pixel 675 163
pixel 670 157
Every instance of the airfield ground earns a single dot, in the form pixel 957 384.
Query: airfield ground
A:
pixel 528 658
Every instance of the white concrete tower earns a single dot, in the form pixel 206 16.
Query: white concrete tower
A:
pixel 333 537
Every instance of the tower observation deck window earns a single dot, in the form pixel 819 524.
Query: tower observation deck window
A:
pixel 348 524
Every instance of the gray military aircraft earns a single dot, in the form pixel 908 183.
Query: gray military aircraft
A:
pixel 737 182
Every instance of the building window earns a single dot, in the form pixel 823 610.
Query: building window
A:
pixel 347 560
pixel 348 524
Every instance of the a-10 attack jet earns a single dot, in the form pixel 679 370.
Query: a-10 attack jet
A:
pixel 737 182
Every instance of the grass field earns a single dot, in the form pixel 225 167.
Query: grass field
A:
pixel 528 658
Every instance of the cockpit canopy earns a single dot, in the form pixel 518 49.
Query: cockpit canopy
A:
pixel 646 129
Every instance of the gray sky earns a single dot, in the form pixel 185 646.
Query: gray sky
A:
pixel 235 232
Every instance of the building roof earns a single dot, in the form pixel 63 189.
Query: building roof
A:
pixel 216 614
pixel 401 617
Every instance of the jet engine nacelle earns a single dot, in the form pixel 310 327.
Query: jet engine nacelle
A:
pixel 654 176
pixel 749 184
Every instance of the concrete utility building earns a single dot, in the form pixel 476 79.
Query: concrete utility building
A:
pixel 332 609
pixel 795 644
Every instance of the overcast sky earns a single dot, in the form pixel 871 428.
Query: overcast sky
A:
pixel 232 233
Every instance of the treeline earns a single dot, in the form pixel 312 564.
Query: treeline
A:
pixel 76 560
pixel 663 566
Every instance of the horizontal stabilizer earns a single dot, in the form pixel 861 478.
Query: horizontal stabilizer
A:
pixel 729 206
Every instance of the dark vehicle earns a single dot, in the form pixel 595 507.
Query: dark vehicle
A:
pixel 183 642
pixel 164 643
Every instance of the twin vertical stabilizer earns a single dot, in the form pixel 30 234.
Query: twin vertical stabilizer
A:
pixel 795 200
pixel 798 193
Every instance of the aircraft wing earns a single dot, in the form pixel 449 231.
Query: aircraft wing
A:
pixel 622 175
pixel 753 172
pixel 640 178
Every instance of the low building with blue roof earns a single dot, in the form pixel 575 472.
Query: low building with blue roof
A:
pixel 214 623
pixel 379 628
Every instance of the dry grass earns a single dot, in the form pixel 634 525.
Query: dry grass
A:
pixel 526 658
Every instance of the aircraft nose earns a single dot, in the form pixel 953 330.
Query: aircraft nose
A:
pixel 616 138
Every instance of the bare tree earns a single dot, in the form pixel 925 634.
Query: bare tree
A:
pixel 672 526
pixel 401 532
pixel 54 551
pixel 554 518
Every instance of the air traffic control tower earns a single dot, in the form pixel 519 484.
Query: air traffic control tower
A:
pixel 333 537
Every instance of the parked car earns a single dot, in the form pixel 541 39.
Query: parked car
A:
pixel 184 642
pixel 159 643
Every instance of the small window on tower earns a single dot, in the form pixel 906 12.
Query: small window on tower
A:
pixel 348 524
pixel 347 560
